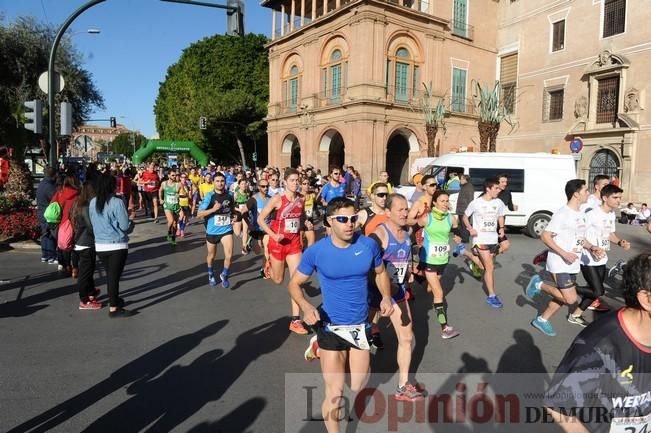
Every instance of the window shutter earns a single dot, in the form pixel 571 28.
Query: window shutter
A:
pixel 415 85
pixel 458 90
pixel 402 75
pixel 460 14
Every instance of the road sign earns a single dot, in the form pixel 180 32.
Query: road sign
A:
pixel 59 82
pixel 577 156
pixel 203 123
pixel 576 145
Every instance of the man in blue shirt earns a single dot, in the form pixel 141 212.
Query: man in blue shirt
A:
pixel 342 262
pixel 333 188
pixel 217 208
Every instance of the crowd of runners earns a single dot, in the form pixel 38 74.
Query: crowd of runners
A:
pixel 367 252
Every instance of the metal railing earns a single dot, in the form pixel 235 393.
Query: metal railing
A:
pixel 403 95
pixel 288 106
pixel 455 104
pixel 328 98
pixel 463 30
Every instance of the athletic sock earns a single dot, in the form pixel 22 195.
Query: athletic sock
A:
pixel 210 271
pixel 540 318
pixel 225 271
pixel 441 316
pixel 295 318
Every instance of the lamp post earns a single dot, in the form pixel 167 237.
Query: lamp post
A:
pixel 51 79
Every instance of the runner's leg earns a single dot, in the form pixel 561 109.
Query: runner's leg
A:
pixel 401 320
pixel 333 367
pixel 486 258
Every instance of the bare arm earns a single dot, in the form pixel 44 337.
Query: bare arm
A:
pixel 384 286
pixel 273 203
pixel 415 213
pixel 310 314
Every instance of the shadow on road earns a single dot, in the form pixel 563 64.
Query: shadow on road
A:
pixel 237 421
pixel 141 370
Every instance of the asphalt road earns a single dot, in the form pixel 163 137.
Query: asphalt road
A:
pixel 200 358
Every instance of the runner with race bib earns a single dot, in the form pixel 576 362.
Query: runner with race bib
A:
pixel 487 212
pixel 438 224
pixel 393 238
pixel 342 262
pixel 607 369
pixel 217 209
pixel 169 194
pixel 285 244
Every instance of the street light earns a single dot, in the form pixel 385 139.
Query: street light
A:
pixel 89 31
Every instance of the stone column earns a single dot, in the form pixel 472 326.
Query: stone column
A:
pixel 302 14
pixel 430 7
pixel 325 7
pixel 282 20
pixel 273 24
pixel 337 4
pixel 292 16
pixel 313 10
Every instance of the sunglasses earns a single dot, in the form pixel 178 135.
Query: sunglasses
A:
pixel 263 186
pixel 430 185
pixel 343 219
pixel 336 174
pixel 382 194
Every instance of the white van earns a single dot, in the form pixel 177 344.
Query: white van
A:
pixel 536 181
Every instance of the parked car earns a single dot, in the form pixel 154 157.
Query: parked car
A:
pixel 536 181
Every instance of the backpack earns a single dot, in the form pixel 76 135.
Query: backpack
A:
pixel 65 236
pixel 52 213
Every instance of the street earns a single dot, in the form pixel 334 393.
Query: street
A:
pixel 200 358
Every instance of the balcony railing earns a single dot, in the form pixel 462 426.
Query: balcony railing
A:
pixel 288 106
pixel 403 95
pixel 460 105
pixel 463 30
pixel 325 99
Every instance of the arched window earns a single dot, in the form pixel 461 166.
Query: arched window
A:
pixel 405 75
pixel 333 79
pixel 291 88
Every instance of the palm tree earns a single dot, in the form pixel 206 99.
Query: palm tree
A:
pixel 492 113
pixel 434 119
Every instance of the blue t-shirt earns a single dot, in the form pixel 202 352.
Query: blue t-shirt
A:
pixel 230 179
pixel 329 192
pixel 218 223
pixel 343 274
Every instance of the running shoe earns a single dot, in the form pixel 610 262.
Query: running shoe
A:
pixel 212 280
pixel 312 351
pixel 53 261
pixel 182 233
pixel 577 320
pixel 249 244
pixel 494 301
pixel 43 260
pixel 543 326
pixel 155 220
pixel 262 274
pixel 540 258
pixel 168 238
pixel 599 306
pixel 459 250
pixel 178 232
pixel 532 288
pixel 90 305
pixel 475 270
pixel 408 392
pixel 297 327
pixel 121 312
pixel 449 332
pixel 224 278
pixel 617 269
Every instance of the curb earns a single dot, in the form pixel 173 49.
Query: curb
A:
pixel 21 245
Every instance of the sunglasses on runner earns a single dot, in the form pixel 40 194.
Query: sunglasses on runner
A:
pixel 429 185
pixel 343 219
pixel 382 194
pixel 263 186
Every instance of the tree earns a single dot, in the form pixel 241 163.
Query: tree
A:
pixel 225 79
pixel 24 53
pixel 434 119
pixel 492 113
pixel 124 142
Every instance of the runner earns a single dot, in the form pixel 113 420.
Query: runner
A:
pixel 261 239
pixel 184 203
pixel 342 262
pixel 169 193
pixel 487 213
pixel 437 227
pixel 284 237
pixel 240 227
pixel 207 186
pixel 606 369
pixel 393 238
pixel 310 198
pixel 421 207
pixel 274 184
pixel 333 188
pixel 601 232
pixel 151 184
pixel 216 208
pixel 565 238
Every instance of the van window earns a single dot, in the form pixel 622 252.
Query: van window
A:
pixel 442 174
pixel 479 175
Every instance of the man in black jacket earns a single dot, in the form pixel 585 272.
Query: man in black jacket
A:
pixel 466 195
pixel 44 193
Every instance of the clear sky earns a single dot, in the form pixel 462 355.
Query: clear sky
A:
pixel 139 40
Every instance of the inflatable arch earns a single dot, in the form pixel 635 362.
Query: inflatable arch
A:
pixel 170 146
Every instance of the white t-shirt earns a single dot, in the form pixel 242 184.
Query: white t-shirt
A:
pixel 569 227
pixel 599 227
pixel 592 203
pixel 484 219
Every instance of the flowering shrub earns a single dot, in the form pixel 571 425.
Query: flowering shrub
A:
pixel 12 202
pixel 20 224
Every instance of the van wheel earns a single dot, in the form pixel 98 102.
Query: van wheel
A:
pixel 537 224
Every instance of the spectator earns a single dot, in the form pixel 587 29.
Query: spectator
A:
pixel 85 250
pixel 384 178
pixel 66 196
pixel 356 186
pixel 110 222
pixel 505 193
pixel 466 195
pixel 629 214
pixel 644 214
pixel 44 193
pixel 453 183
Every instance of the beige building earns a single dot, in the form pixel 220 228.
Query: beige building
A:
pixel 89 140
pixel 580 69
pixel 346 79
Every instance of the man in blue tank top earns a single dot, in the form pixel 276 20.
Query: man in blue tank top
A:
pixel 342 262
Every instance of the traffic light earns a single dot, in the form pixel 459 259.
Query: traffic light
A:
pixel 203 123
pixel 112 120
pixel 235 18
pixel 35 114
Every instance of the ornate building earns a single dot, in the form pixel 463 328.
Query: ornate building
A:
pixel 581 69
pixel 89 140
pixel 346 79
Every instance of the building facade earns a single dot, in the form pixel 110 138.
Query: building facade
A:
pixel 580 69
pixel 346 79
pixel 89 140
